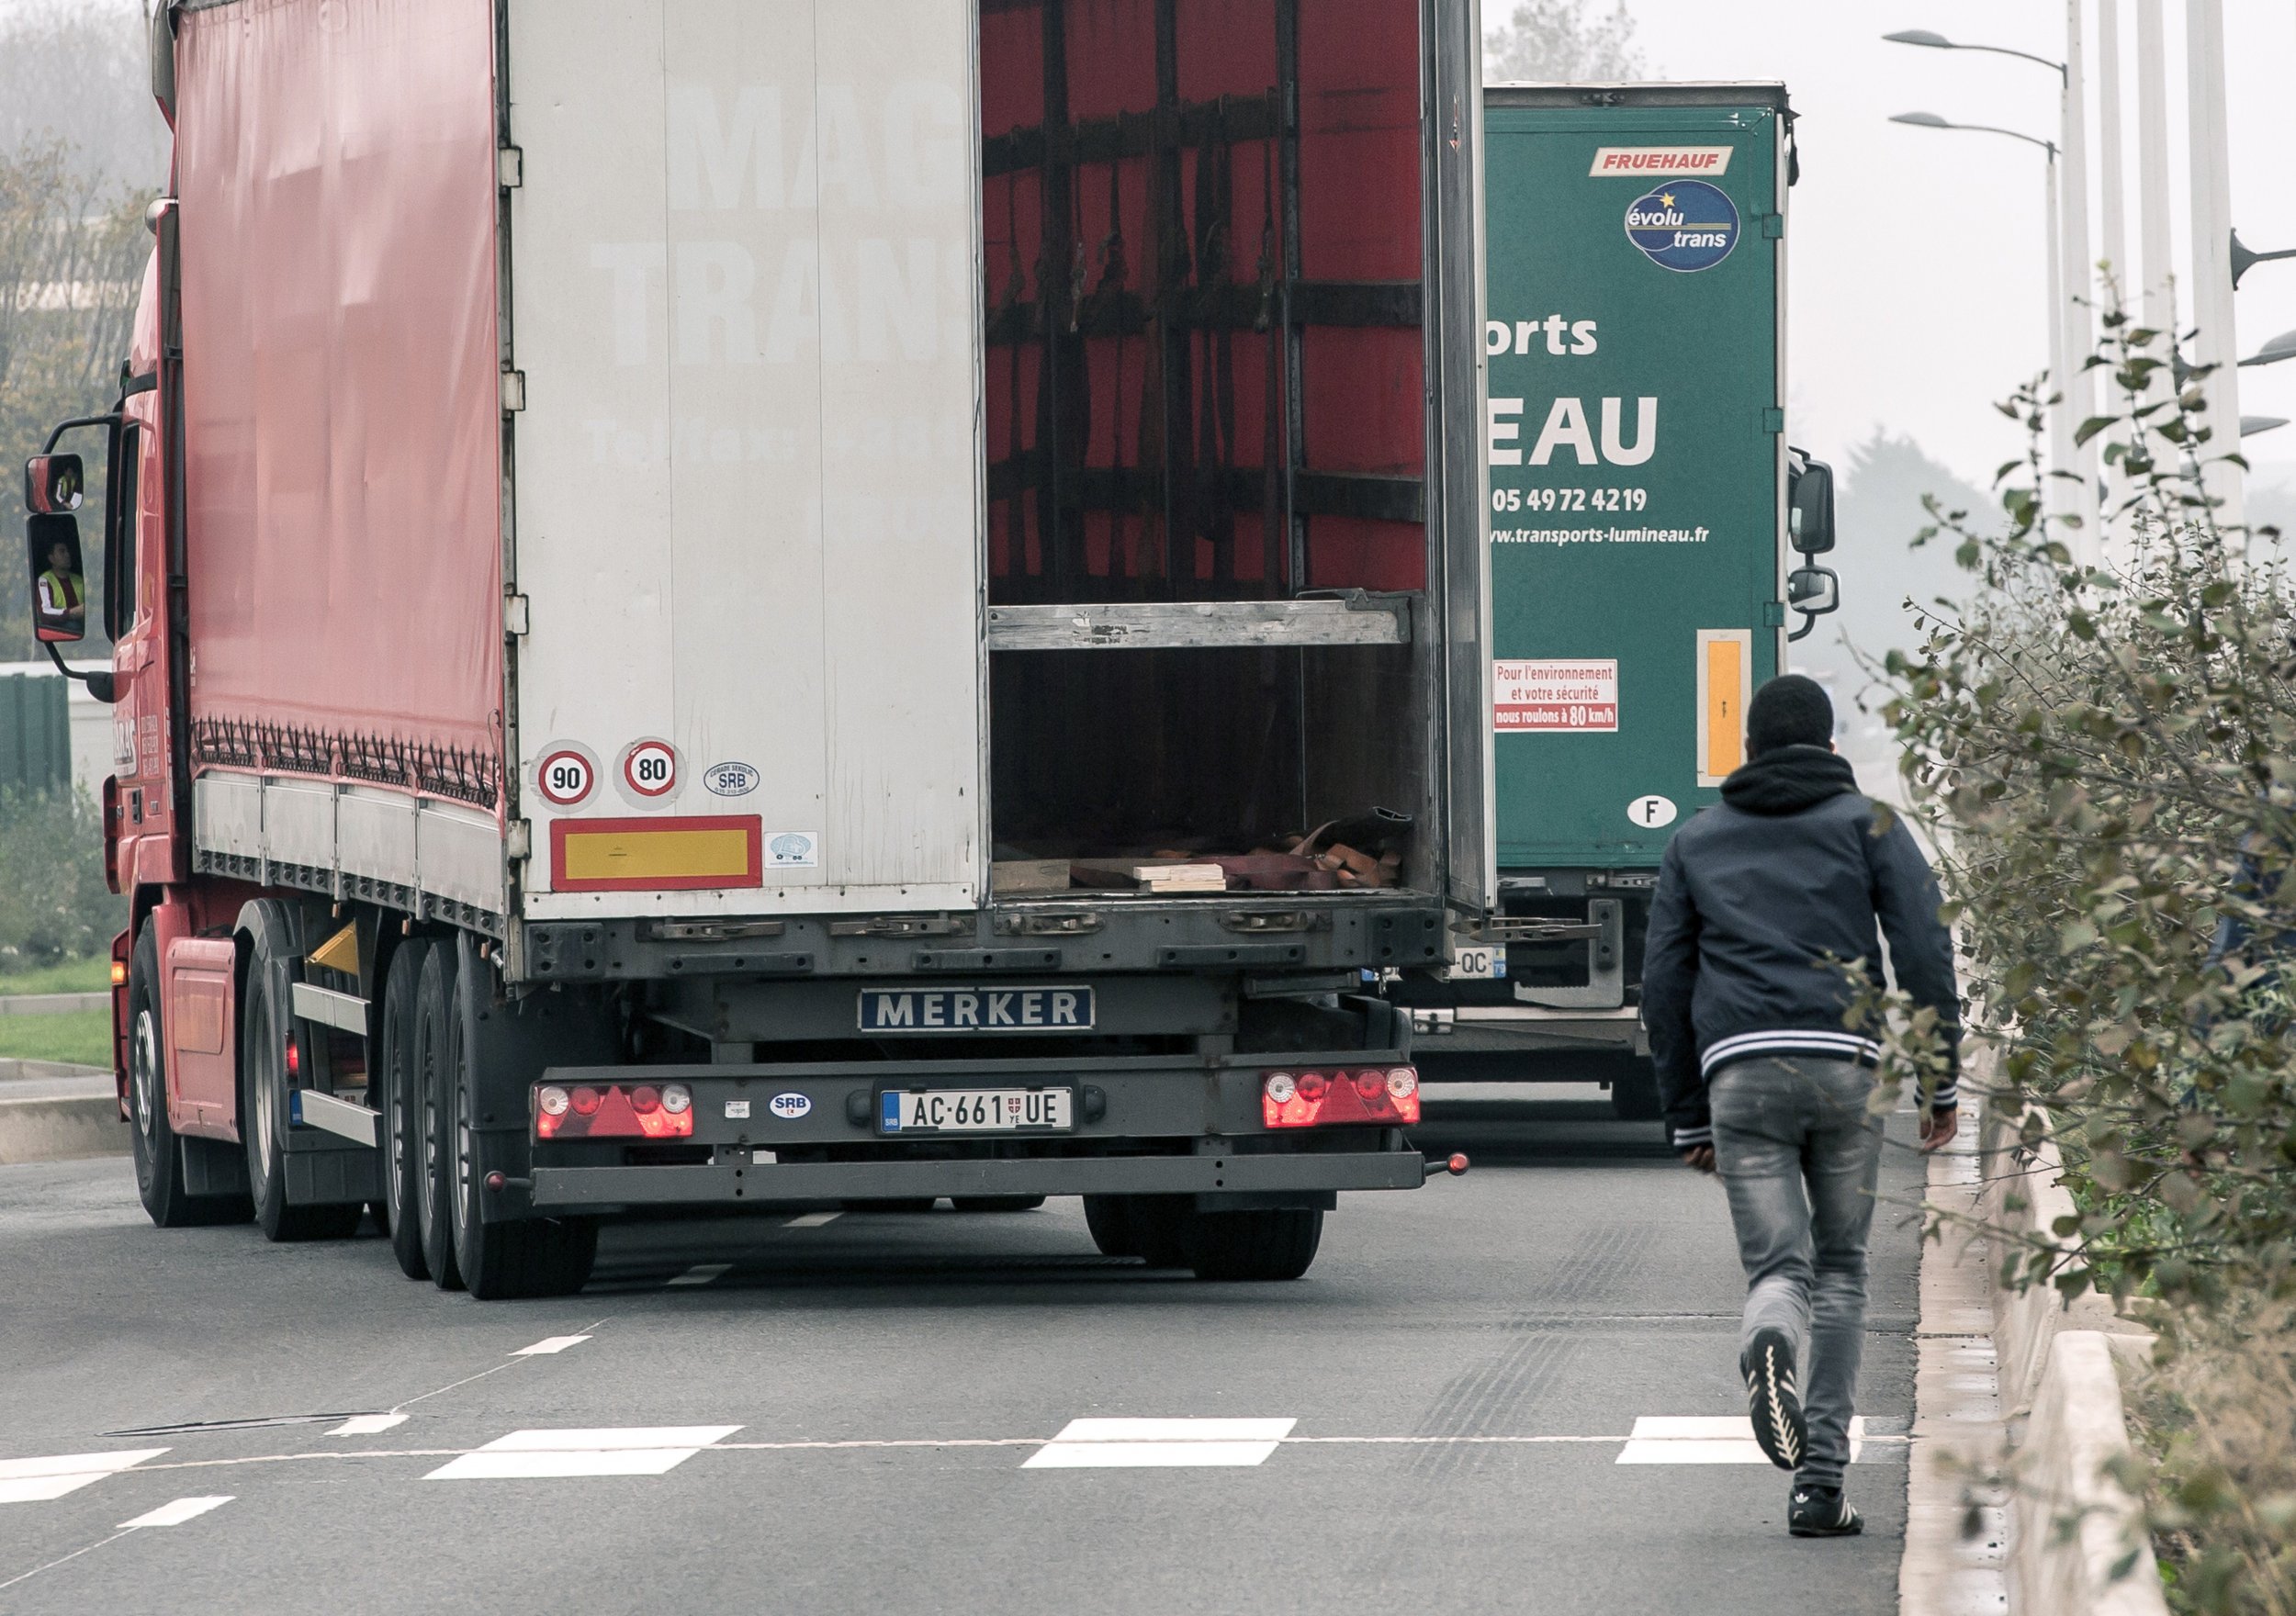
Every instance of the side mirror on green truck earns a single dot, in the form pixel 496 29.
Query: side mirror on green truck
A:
pixel 1809 504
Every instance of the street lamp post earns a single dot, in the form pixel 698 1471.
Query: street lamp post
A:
pixel 2062 455
pixel 2069 288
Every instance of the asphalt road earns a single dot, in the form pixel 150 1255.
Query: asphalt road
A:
pixel 858 1411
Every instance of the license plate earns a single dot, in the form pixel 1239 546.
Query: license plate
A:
pixel 974 1110
pixel 990 1010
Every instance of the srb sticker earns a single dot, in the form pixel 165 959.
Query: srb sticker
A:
pixel 789 1107
pixel 729 780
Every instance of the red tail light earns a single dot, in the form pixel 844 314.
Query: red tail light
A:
pixel 1373 1095
pixel 644 1111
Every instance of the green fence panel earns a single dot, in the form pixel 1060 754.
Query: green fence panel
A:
pixel 35 734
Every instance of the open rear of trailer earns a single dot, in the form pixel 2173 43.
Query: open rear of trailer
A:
pixel 764 603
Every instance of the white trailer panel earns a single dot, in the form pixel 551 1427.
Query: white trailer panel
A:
pixel 744 296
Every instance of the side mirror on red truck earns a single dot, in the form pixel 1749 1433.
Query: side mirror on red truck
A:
pixel 53 484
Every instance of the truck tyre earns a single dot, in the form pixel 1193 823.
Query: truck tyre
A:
pixel 159 1158
pixel 996 1203
pixel 1163 1229
pixel 394 1083
pixel 1634 1092
pixel 528 1256
pixel 265 1024
pixel 1110 1217
pixel 1272 1244
pixel 431 1115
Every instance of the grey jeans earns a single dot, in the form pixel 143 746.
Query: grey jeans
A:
pixel 1800 1156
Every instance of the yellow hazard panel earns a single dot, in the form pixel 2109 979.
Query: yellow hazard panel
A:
pixel 658 855
pixel 1725 675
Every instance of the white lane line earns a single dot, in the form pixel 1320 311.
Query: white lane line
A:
pixel 35 1481
pixel 811 1219
pixel 1700 1439
pixel 702 1274
pixel 176 1513
pixel 1101 1444
pixel 556 1343
pixel 642 1450
pixel 369 1424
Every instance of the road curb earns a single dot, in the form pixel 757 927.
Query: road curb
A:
pixel 1949 1569
pixel 53 1003
pixel 60 1130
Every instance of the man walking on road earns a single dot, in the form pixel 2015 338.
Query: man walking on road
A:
pixel 1766 1071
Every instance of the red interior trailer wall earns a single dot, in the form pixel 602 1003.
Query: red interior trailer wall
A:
pixel 1136 223
pixel 336 167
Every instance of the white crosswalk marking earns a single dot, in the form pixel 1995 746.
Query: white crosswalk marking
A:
pixel 1096 1444
pixel 555 1344
pixel 702 1274
pixel 368 1424
pixel 638 1450
pixel 1702 1439
pixel 176 1513
pixel 35 1481
pixel 811 1219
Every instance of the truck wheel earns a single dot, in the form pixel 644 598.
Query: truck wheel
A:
pixel 394 1083
pixel 996 1203
pixel 263 1106
pixel 1274 1244
pixel 159 1159
pixel 1634 1092
pixel 515 1257
pixel 1110 1217
pixel 1164 1230
pixel 431 1116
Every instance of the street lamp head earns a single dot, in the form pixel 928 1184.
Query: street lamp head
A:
pixel 2281 347
pixel 1928 120
pixel 1919 37
pixel 2250 425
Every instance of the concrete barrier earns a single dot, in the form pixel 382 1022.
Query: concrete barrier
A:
pixel 2026 1196
pixel 60 1129
pixel 2071 1522
pixel 50 1111
pixel 52 1003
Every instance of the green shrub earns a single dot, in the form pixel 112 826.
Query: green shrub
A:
pixel 53 901
pixel 2107 755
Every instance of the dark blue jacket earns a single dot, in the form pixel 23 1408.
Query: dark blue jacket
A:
pixel 1760 902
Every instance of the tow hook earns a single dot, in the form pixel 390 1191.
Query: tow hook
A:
pixel 496 1181
pixel 1454 1164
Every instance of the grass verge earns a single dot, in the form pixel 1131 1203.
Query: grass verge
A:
pixel 82 1037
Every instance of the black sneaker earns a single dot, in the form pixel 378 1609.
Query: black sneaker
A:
pixel 1822 1511
pixel 1772 1398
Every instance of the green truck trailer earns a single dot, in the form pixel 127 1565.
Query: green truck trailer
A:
pixel 1646 512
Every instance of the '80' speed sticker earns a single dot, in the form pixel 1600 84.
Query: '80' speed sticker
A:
pixel 648 773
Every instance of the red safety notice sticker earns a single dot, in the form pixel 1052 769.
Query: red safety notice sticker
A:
pixel 1572 696
pixel 1642 163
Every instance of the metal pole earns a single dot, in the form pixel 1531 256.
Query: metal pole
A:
pixel 2157 272
pixel 2113 251
pixel 2078 498
pixel 2156 269
pixel 2217 343
pixel 2061 424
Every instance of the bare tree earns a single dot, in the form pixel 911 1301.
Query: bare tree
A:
pixel 1555 42
pixel 79 72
